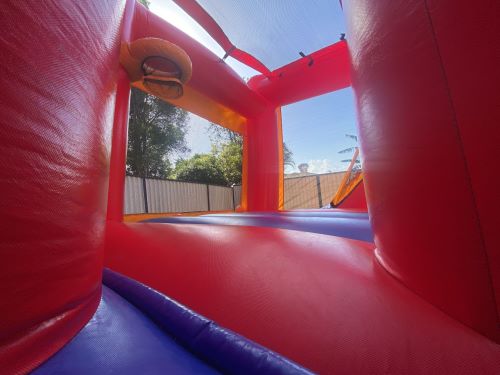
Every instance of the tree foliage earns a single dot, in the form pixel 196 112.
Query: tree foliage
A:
pixel 203 168
pixel 230 161
pixel 157 131
pixel 220 135
pixel 227 149
pixel 222 166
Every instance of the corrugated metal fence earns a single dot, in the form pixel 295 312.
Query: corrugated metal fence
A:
pixel 237 194
pixel 146 195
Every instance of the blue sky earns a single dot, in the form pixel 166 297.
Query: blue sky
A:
pixel 313 129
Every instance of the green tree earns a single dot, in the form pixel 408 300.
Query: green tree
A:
pixel 157 131
pixel 222 137
pixel 223 165
pixel 229 158
pixel 227 146
pixel 203 168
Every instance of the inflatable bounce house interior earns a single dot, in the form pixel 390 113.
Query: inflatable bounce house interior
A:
pixel 400 276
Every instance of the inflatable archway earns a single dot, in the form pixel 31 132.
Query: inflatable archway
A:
pixel 409 284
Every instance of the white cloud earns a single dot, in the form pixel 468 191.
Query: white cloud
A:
pixel 320 166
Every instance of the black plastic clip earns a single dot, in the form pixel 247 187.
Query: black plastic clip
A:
pixel 311 61
pixel 228 52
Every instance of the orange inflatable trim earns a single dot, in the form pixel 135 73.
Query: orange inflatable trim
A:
pixel 352 178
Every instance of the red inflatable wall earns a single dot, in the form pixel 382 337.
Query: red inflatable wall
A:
pixel 356 200
pixel 59 67
pixel 426 78
pixel 263 162
pixel 116 193
pixel 300 80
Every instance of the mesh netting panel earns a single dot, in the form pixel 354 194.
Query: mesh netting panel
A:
pixel 275 31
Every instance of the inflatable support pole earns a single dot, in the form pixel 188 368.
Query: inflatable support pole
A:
pixel 426 83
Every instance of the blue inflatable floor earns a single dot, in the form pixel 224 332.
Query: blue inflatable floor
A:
pixel 137 330
pixel 353 225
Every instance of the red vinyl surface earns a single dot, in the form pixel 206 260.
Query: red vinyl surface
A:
pixel 118 158
pixel 300 80
pixel 425 108
pixel 322 301
pixel 356 200
pixel 59 66
pixel 263 166
pixel 470 56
